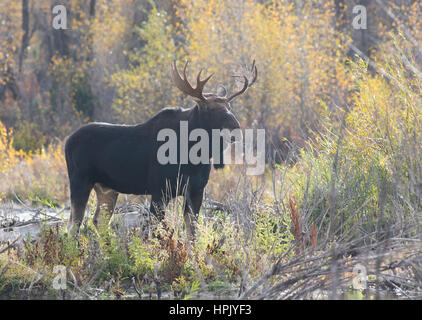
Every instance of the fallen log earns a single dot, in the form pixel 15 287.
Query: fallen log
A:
pixel 21 222
pixel 124 221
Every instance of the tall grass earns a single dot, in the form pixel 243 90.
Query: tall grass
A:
pixel 360 182
pixel 354 196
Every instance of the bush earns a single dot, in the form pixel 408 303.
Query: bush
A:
pixel 363 177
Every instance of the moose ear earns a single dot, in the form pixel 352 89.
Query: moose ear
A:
pixel 221 91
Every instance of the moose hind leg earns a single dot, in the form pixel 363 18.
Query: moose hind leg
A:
pixel 106 201
pixel 79 194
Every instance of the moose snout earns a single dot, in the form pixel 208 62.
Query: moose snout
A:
pixel 233 125
pixel 231 122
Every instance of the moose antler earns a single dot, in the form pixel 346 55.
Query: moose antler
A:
pixel 246 85
pixel 184 85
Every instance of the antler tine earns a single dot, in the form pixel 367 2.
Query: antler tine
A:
pixel 198 78
pixel 180 82
pixel 184 69
pixel 201 83
pixel 184 85
pixel 255 72
pixel 247 84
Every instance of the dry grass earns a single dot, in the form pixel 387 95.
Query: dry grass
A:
pixel 296 232
pixel 41 176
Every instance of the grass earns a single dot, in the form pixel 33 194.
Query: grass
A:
pixel 116 261
pixel 297 232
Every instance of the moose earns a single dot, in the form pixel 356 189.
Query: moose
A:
pixel 114 158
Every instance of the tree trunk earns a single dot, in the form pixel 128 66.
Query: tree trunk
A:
pixel 340 22
pixel 25 37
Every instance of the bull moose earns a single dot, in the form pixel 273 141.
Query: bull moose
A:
pixel 115 159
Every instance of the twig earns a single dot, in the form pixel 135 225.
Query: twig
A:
pixel 10 245
pixel 135 286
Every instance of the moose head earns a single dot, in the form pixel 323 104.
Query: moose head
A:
pixel 215 109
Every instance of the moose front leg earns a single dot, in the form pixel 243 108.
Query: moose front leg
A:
pixel 192 207
pixel 158 204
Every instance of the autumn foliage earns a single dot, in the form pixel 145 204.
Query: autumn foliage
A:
pixel 343 103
